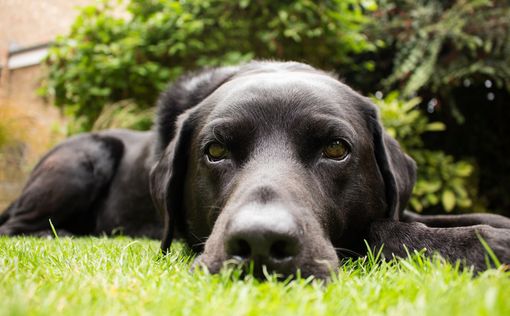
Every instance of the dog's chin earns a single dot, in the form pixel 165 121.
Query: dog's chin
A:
pixel 321 269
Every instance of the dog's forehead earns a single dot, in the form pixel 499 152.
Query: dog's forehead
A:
pixel 290 93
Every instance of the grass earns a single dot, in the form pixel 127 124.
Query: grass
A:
pixel 100 276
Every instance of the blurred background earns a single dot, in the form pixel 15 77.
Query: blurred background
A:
pixel 439 70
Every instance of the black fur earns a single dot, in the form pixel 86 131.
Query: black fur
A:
pixel 186 92
pixel 274 186
pixel 77 184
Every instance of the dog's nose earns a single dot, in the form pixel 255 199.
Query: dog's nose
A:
pixel 267 235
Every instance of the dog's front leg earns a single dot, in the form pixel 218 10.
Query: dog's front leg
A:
pixel 455 243
pixel 459 220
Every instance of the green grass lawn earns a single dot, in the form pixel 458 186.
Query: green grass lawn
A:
pixel 100 276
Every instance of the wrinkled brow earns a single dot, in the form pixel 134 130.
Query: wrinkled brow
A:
pixel 226 131
pixel 324 127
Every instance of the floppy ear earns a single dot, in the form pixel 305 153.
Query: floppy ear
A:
pixel 183 94
pixel 176 121
pixel 167 179
pixel 397 169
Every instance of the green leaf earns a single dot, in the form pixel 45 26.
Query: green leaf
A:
pixel 436 127
pixel 464 169
pixel 448 199
pixel 416 205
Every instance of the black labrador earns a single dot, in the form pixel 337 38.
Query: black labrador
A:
pixel 276 163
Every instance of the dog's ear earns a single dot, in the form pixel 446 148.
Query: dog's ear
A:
pixel 185 93
pixel 397 169
pixel 167 179
pixel 175 124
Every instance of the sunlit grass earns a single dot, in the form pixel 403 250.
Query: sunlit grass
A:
pixel 100 276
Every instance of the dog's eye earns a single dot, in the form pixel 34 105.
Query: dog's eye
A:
pixel 336 150
pixel 216 151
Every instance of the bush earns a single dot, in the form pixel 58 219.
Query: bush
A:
pixel 438 44
pixel 107 58
pixel 442 182
pixel 455 54
pixel 123 114
pixel 24 137
pixel 23 140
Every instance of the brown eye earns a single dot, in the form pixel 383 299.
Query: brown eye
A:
pixel 337 150
pixel 217 151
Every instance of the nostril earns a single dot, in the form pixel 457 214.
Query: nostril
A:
pixel 239 248
pixel 283 249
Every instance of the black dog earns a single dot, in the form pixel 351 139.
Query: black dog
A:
pixel 278 163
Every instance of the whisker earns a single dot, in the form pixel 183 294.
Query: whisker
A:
pixel 348 251
pixel 203 239
pixel 199 243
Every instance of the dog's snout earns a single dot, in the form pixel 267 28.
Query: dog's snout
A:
pixel 266 236
pixel 262 244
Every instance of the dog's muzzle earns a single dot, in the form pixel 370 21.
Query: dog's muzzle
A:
pixel 266 235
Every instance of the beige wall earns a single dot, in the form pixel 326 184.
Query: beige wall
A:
pixel 26 23
pixel 31 22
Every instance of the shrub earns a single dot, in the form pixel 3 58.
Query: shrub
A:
pixel 123 114
pixel 455 53
pixel 438 44
pixel 23 140
pixel 107 58
pixel 442 182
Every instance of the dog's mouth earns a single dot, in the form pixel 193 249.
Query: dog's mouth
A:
pixel 262 269
pixel 279 264
pixel 257 267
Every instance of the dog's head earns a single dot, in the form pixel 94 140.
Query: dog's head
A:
pixel 276 163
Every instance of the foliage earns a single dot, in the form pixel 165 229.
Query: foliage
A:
pixel 122 276
pixel 13 132
pixel 108 57
pixel 12 125
pixel 439 44
pixel 455 53
pixel 23 139
pixel 123 114
pixel 441 180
